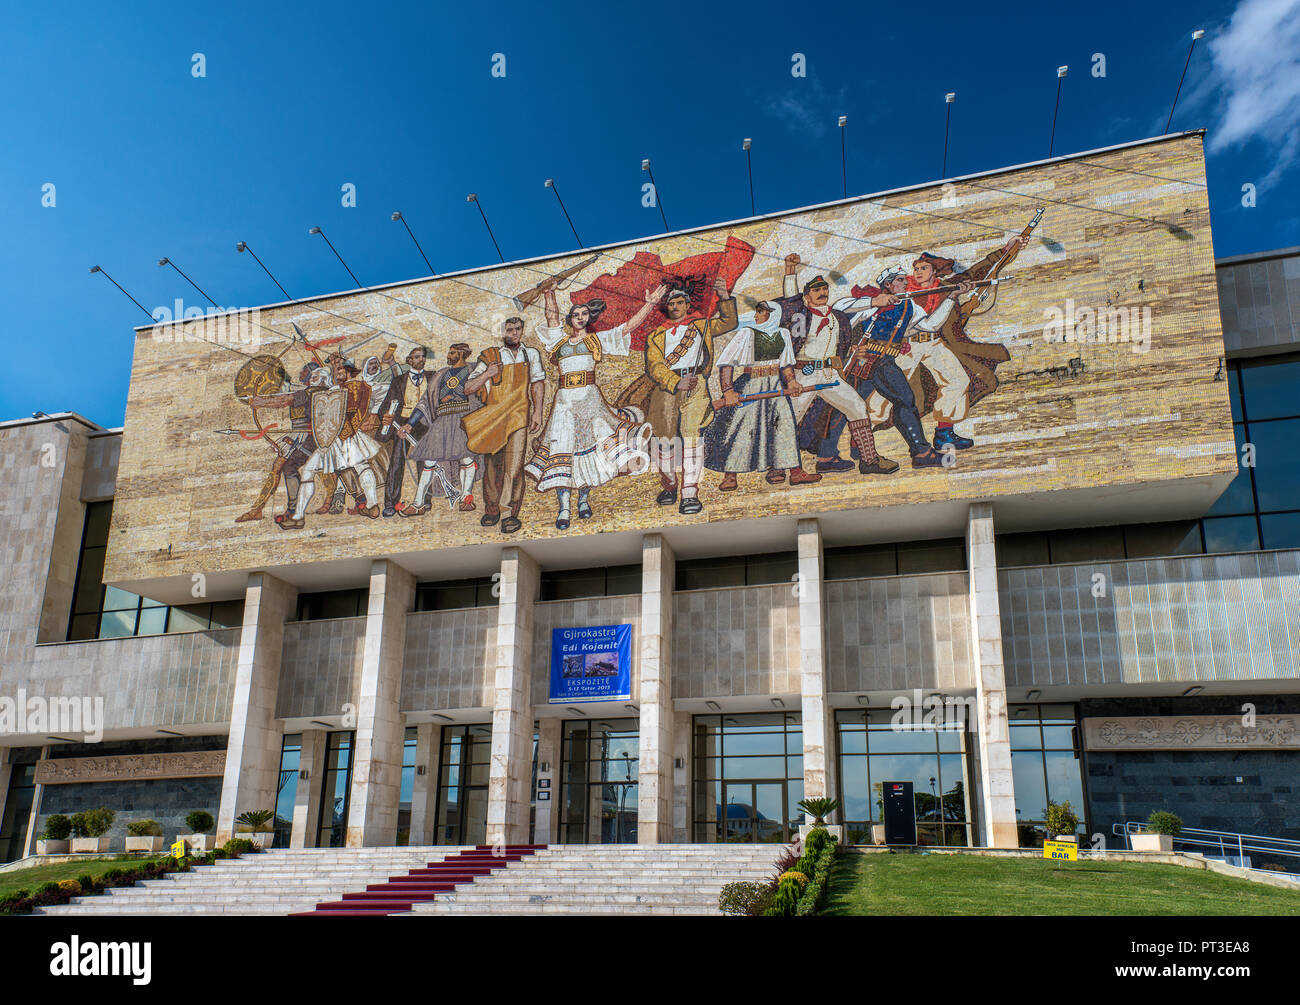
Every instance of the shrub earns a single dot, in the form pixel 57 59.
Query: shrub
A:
pixel 87 883
pixel 46 888
pixel 239 846
pixel 257 821
pixel 816 840
pixel 1164 822
pixel 1061 819
pixel 217 853
pixel 92 823
pixel 785 861
pixel 814 894
pixel 57 828
pixel 144 828
pixel 70 887
pixel 798 877
pixel 199 822
pixel 819 808
pixel 747 899
pixel 786 901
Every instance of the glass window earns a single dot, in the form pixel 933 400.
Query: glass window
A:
pixel 454 594
pixel 1045 766
pixel 1152 540
pixel 1086 544
pixel 1234 533
pixel 407 786
pixel 1277 481
pixel 710 573
pixel 1270 387
pixel 336 789
pixel 1022 549
pixel 1237 497
pixel 946 555
pixel 775 568
pixel 599 781
pixel 748 777
pixel 1281 530
pixel 464 765
pixel 864 562
pixel 287 791
pixel 333 604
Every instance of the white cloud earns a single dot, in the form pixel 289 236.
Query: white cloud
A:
pixel 1254 81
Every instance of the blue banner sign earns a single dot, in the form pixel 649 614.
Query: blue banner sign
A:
pixel 591 664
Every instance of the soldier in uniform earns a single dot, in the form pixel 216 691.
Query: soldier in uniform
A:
pixel 442 406
pixel 351 450
pixel 679 357
pixel 511 382
pixel 294 449
pixel 400 405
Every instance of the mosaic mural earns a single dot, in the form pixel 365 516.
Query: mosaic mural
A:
pixel 1044 328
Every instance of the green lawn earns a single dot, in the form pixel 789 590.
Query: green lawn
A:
pixel 900 884
pixel 30 879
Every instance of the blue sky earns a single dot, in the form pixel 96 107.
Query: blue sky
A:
pixel 399 100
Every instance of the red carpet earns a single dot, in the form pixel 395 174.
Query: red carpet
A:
pixel 400 892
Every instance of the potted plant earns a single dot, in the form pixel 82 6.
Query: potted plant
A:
pixel 144 835
pixel 257 823
pixel 54 839
pixel 819 808
pixel 1061 822
pixel 1158 835
pixel 90 830
pixel 199 822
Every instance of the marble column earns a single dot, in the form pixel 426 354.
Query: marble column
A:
pixel 307 797
pixel 997 786
pixel 6 771
pixel 512 712
pixel 377 765
pixel 547 821
pixel 29 844
pixel 252 773
pixel 818 761
pixel 655 695
pixel 424 790
pixel 682 827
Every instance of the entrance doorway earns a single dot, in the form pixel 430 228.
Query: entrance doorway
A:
pixel 464 763
pixel 336 790
pixel 754 812
pixel 598 799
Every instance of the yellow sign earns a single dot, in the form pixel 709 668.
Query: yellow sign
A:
pixel 178 849
pixel 1061 850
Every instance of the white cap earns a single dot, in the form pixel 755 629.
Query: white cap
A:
pixel 889 275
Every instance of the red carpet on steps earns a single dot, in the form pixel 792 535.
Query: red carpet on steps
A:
pixel 400 892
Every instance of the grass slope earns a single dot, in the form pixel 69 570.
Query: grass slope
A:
pixel 30 879
pixel 976 885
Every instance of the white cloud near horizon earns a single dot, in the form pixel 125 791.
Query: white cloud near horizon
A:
pixel 1254 82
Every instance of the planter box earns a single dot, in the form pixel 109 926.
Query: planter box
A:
pixel 878 834
pixel 46 846
pixel 835 830
pixel 144 843
pixel 198 842
pixel 1153 842
pixel 262 840
pixel 94 846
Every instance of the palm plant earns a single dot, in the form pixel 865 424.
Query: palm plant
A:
pixel 819 808
pixel 255 820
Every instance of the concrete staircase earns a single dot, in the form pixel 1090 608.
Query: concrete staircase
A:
pixel 610 880
pixel 279 881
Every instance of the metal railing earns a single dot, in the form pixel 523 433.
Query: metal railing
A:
pixel 1232 847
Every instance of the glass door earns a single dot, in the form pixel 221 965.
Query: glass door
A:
pixel 336 790
pixel 598 799
pixel 464 763
pixel 754 812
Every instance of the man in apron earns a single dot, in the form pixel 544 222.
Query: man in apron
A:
pixel 510 380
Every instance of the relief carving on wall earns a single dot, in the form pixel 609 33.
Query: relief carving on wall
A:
pixel 1196 732
pixel 131 767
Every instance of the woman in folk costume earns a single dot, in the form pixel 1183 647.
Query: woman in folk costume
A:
pixel 585 442
pixel 759 434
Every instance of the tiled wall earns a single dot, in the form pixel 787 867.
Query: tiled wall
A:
pixel 1199 618
pixel 1259 302
pixel 898 632
pixel 100 475
pixel 738 641
pixel 150 680
pixel 320 669
pixel 450 659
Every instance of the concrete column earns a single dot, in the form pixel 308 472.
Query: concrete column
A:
pixel 377 759
pixel 997 787
pixel 512 713
pixel 38 793
pixel 6 772
pixel 655 696
pixel 818 762
pixel 307 797
pixel 682 778
pixel 253 751
pixel 550 734
pixel 424 792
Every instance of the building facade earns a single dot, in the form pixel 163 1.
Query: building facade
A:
pixel 1088 578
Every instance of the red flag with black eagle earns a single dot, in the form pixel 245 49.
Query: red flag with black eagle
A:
pixel 624 291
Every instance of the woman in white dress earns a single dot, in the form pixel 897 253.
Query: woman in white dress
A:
pixel 585 442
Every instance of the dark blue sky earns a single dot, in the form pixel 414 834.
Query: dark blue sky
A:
pixel 399 100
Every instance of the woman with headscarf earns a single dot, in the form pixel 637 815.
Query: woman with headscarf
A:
pixel 752 433
pixel 585 442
